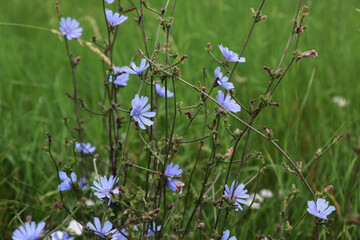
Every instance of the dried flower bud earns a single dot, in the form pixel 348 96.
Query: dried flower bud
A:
pixel 328 188
pixel 162 11
pixel 57 205
pixel 201 225
pixel 229 152
pixel 268 132
pixel 77 60
pixel 311 53
pixel 126 211
pixel 171 206
pixel 179 186
pixel 305 9
pixel 183 57
pixel 128 163
pixel 141 52
pixel 121 189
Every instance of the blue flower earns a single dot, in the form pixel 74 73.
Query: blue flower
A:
pixel 239 193
pixel 139 111
pixel 85 148
pixel 321 209
pixel 109 1
pixel 228 103
pixel 70 28
pixel 66 181
pixel 137 70
pixel 161 91
pixel 104 231
pixel 226 236
pixel 222 81
pixel 121 76
pixel 29 232
pixel 59 235
pixel 114 19
pixel 173 171
pixel 105 186
pixel 150 231
pixel 119 235
pixel 229 55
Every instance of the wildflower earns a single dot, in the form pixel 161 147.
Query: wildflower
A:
pixel 256 204
pixel 109 1
pixel 229 55
pixel 150 231
pixel 226 236
pixel 340 101
pixel 321 209
pixel 161 91
pixel 70 28
pixel 137 70
pixel 266 193
pixel 222 81
pixel 67 182
pixel 75 227
pixel 121 77
pixel 114 19
pixel 119 235
pixel 140 111
pixel 89 203
pixel 260 197
pixel 29 232
pixel 105 186
pixel 104 231
pixel 239 193
pixel 228 103
pixel 173 171
pixel 59 235
pixel 85 148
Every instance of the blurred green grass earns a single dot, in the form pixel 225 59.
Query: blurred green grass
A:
pixel 35 75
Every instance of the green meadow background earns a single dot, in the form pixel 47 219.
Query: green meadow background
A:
pixel 35 74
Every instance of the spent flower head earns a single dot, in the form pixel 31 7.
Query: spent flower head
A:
pixel 227 102
pixel 240 194
pixel 114 19
pixel 102 189
pixel 321 209
pixel 223 81
pixel 70 28
pixel 85 148
pixel 226 236
pixel 121 77
pixel 29 231
pixel 104 231
pixel 161 91
pixel 173 171
pixel 137 70
pixel 229 55
pixel 140 112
